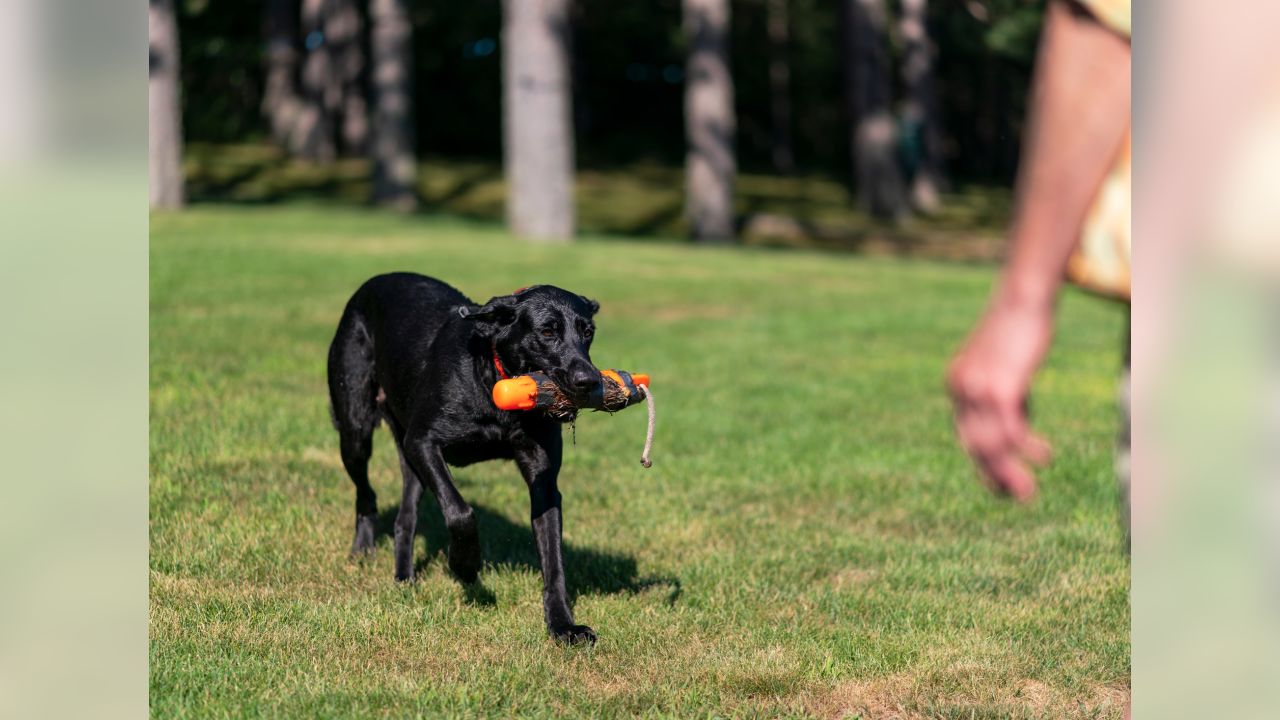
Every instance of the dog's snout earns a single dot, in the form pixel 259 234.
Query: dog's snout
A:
pixel 584 379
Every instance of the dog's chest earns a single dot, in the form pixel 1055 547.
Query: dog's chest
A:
pixel 468 452
pixel 466 438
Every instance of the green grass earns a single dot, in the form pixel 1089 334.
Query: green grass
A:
pixel 810 541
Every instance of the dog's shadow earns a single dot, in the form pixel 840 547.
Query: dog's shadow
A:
pixel 504 543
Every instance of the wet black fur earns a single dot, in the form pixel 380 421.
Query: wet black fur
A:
pixel 416 352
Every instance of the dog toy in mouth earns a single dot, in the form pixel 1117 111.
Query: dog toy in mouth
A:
pixel 618 390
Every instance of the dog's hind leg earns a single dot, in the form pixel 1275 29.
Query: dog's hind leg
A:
pixel 356 450
pixel 407 521
pixel 353 400
pixel 407 517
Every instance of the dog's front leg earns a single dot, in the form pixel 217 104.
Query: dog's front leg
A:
pixel 540 466
pixel 464 535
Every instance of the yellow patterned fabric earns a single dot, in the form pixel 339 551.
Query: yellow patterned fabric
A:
pixel 1102 261
pixel 1115 14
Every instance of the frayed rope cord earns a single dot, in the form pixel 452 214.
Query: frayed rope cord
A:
pixel 648 438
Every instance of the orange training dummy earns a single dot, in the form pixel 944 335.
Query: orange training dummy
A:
pixel 618 389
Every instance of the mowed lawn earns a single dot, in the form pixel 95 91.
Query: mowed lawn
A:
pixel 809 541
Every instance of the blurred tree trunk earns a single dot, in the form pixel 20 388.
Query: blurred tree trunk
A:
pixel 868 92
pixel 280 102
pixel 709 122
pixel 780 86
pixel 920 111
pixel 537 124
pixel 345 33
pixel 333 103
pixel 165 107
pixel 319 101
pixel 395 163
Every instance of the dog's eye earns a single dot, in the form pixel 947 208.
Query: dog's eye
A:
pixel 548 333
pixel 588 332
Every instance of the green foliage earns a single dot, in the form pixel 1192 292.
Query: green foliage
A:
pixel 628 62
pixel 222 57
pixel 809 540
pixel 1014 34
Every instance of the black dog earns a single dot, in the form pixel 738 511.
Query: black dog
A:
pixel 418 353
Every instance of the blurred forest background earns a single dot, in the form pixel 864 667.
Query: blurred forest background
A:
pixel 810 541
pixel 851 123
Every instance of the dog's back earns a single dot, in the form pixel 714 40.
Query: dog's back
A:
pixel 387 322
pixel 403 308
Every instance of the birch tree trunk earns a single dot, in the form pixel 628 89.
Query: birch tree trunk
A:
pixel 537 120
pixel 876 170
pixel 710 123
pixel 780 86
pixel 920 109
pixel 395 163
pixel 164 133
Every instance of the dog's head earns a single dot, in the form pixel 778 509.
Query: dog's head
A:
pixel 542 328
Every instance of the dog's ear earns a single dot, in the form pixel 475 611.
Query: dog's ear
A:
pixel 493 315
pixel 595 306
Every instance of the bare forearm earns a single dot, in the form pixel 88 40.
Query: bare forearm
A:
pixel 1078 120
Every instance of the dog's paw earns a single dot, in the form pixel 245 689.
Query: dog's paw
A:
pixel 465 561
pixel 574 635
pixel 464 550
pixel 363 543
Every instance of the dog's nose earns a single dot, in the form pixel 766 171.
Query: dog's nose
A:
pixel 584 380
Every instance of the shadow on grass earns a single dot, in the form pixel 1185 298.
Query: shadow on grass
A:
pixel 507 544
pixel 813 212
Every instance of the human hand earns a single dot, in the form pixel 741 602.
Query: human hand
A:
pixel 989 379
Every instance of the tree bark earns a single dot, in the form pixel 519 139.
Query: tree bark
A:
pixel 333 105
pixel 319 99
pixel 345 33
pixel 920 110
pixel 537 120
pixel 280 102
pixel 710 123
pixel 780 86
pixel 165 107
pixel 395 163
pixel 877 174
